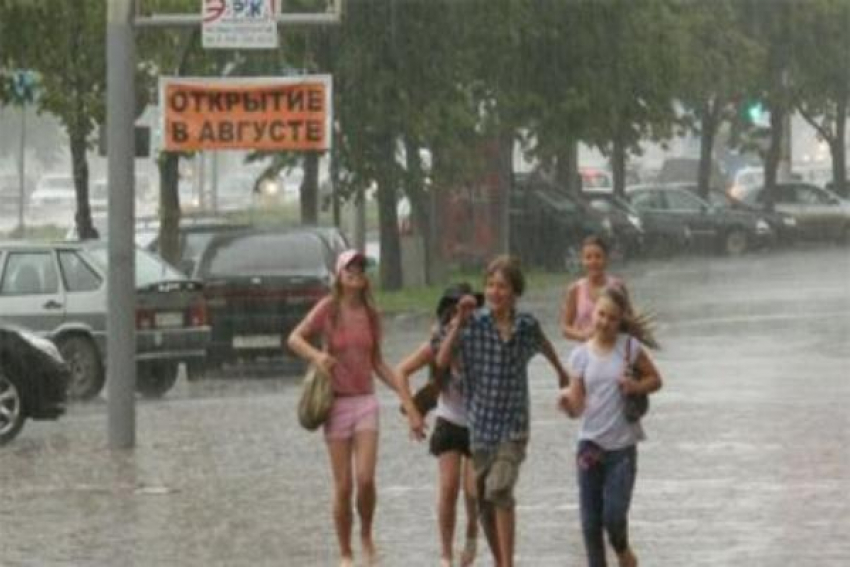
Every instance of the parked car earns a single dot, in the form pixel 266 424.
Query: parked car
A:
pixel 59 291
pixel 820 214
pixel 548 223
pixel 784 226
pixel 194 233
pixel 745 178
pixel 686 170
pixel 626 224
pixel 594 178
pixel 33 380
pixel 54 191
pixel 705 227
pixel 259 284
pixel 333 237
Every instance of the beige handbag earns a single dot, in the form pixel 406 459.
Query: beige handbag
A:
pixel 317 398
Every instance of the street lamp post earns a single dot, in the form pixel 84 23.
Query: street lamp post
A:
pixel 121 281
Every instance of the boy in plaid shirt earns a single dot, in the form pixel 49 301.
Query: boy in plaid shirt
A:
pixel 494 346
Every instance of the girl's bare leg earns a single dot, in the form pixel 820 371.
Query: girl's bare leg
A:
pixel 450 474
pixel 339 451
pixel 365 459
pixel 467 557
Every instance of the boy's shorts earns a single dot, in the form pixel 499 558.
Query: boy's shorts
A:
pixel 497 472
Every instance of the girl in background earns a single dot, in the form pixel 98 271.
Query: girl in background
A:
pixel 577 322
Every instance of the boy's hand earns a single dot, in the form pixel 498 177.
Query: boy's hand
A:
pixel 563 378
pixel 465 307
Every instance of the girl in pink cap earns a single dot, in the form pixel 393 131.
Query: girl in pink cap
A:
pixel 349 324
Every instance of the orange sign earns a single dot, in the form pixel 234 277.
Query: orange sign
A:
pixel 271 114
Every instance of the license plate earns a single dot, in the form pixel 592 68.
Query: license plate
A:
pixel 168 319
pixel 257 341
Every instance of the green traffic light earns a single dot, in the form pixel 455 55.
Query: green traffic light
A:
pixel 755 112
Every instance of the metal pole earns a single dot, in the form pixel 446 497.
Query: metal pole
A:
pixel 22 168
pixel 120 323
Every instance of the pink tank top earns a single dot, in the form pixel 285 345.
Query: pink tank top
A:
pixel 351 342
pixel 585 303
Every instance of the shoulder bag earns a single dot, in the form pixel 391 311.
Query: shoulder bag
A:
pixel 636 405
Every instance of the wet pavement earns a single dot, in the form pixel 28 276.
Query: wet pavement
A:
pixel 747 461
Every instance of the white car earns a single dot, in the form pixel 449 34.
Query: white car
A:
pixel 54 191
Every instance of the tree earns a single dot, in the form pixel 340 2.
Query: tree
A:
pixel 718 57
pixel 820 61
pixel 628 71
pixel 71 61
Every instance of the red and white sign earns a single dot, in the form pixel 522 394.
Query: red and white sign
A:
pixel 239 24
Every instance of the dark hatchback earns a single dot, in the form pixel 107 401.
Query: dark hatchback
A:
pixel 259 284
pixel 33 380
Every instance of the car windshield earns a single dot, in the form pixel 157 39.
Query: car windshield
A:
pixel 150 269
pixel 267 254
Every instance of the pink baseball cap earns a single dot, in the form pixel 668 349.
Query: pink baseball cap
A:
pixel 347 258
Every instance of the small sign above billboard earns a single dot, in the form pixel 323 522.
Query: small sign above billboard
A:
pixel 239 24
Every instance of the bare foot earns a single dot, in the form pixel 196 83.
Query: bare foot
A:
pixel 445 562
pixel 627 559
pixel 346 562
pixel 467 557
pixel 370 554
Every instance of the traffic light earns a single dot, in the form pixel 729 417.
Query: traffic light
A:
pixel 755 113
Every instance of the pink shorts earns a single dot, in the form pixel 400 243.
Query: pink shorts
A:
pixel 351 414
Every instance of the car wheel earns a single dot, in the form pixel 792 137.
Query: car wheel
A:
pixel 87 376
pixel 735 242
pixel 12 415
pixel 153 380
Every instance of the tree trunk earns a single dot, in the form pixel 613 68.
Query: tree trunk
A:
pixel 309 189
pixel 708 131
pixel 391 278
pixel 566 171
pixel 838 147
pixel 618 166
pixel 774 153
pixel 420 203
pixel 80 166
pixel 169 207
pixel 506 182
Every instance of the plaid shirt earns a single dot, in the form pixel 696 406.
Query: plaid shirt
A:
pixel 496 377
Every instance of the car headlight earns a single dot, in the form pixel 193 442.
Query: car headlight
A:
pixel 269 187
pixel 762 227
pixel 789 221
pixel 635 220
